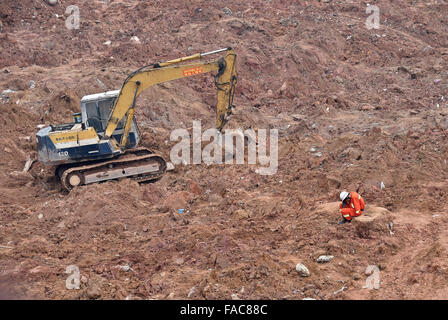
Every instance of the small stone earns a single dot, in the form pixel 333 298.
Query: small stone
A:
pixel 241 214
pixel 235 296
pixel 52 2
pixel 340 290
pixel 40 216
pixel 93 291
pixel 170 296
pixel 227 11
pixel 125 268
pixel 32 84
pixel 367 107
pixel 169 166
pixel 135 39
pixel 191 292
pixel 302 270
pixel 40 269
pixel 323 259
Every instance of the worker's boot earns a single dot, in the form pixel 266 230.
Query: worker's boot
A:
pixel 343 221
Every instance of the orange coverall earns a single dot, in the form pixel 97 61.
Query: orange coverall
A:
pixel 355 207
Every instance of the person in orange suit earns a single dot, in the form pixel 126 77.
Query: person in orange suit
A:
pixel 352 206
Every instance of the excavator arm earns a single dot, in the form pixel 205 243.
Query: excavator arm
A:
pixel 137 82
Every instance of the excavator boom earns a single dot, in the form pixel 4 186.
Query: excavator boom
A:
pixel 146 77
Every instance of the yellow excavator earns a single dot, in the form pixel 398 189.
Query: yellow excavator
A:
pixel 102 142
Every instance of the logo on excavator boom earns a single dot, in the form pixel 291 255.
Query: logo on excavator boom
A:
pixel 192 71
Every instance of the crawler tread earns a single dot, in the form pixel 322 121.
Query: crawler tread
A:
pixel 129 157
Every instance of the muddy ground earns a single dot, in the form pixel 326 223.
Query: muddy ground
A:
pixel 355 109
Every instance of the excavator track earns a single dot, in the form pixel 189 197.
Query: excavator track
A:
pixel 139 164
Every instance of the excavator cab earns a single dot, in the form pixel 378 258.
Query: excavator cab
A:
pixel 81 140
pixel 95 112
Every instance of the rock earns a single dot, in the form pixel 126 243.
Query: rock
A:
pixel 287 90
pixel 302 270
pixel 28 164
pixel 169 166
pixel 40 269
pixel 308 299
pixel 177 200
pixel 132 297
pixel 375 219
pixel 351 153
pixel 235 296
pixel 241 214
pixel 135 39
pixel 52 2
pixel 93 291
pixel 227 11
pixel 5 93
pixel 356 276
pixel 191 292
pixel 403 69
pixel 32 84
pixel 339 80
pixel 126 268
pixel 367 107
pixel 340 290
pixel 21 177
pixel 323 259
pixel 195 188
pixel 298 117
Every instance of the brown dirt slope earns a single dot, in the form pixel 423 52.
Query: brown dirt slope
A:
pixel 354 108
